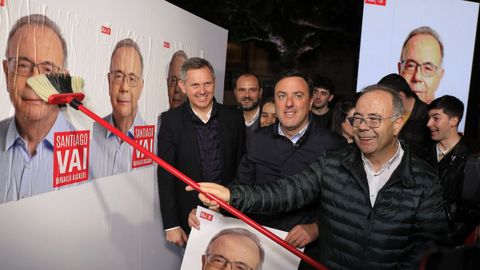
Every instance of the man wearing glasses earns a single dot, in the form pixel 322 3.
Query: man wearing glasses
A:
pixel 421 62
pixel 379 207
pixel 35 46
pixel 237 247
pixel 175 95
pixel 111 155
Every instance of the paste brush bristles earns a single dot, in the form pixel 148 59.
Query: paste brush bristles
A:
pixel 47 85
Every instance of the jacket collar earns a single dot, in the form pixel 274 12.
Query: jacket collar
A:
pixel 354 164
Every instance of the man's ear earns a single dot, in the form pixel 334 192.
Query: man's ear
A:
pixel 397 125
pixel 454 121
pixel 331 97
pixel 5 70
pixel 182 86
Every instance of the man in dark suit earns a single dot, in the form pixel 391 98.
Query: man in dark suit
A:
pixel 203 139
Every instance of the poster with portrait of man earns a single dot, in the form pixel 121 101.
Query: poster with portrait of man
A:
pixel 430 43
pixel 223 240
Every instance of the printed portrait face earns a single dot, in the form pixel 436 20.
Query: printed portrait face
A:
pixel 421 66
pixel 125 82
pixel 231 251
pixel 33 50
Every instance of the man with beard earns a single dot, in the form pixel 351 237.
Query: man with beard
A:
pixel 248 93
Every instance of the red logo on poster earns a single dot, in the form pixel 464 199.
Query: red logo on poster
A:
pixel 106 30
pixel 144 136
pixel 70 160
pixel 166 44
pixel 376 2
pixel 206 216
pixel 2 3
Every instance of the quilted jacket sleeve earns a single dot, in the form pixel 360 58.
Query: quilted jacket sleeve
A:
pixel 279 196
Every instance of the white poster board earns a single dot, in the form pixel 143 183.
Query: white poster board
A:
pixel 112 222
pixel 385 28
pixel 276 257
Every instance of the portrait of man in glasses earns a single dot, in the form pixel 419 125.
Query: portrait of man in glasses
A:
pixel 175 95
pixel 110 154
pixel 35 46
pixel 421 62
pixel 238 248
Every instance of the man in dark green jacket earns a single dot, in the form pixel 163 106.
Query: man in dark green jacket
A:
pixel 380 207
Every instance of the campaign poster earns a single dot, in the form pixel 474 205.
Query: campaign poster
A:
pixel 70 157
pixel 213 223
pixel 441 70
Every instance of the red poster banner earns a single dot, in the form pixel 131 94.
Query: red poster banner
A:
pixel 144 136
pixel 70 160
pixel 166 44
pixel 376 2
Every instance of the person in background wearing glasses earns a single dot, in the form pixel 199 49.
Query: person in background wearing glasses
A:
pixel 379 207
pixel 175 95
pixel 35 46
pixel 110 155
pixel 421 62
pixel 237 247
pixel 201 138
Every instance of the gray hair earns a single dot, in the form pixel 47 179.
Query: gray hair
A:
pixel 241 232
pixel 40 20
pixel 396 100
pixel 195 63
pixel 128 43
pixel 424 30
pixel 179 53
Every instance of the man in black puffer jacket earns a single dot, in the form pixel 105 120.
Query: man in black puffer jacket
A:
pixel 380 207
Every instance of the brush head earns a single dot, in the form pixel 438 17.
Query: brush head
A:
pixel 57 88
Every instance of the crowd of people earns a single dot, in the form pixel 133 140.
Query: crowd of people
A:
pixel 372 181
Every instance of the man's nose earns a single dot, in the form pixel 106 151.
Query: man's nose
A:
pixel 124 86
pixel 418 75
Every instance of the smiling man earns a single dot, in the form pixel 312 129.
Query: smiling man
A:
pixel 35 46
pixel 201 138
pixel 421 62
pixel 448 155
pixel 110 155
pixel 379 207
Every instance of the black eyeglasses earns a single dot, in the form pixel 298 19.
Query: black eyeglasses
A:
pixel 119 77
pixel 371 122
pixel 220 262
pixel 410 66
pixel 172 80
pixel 23 66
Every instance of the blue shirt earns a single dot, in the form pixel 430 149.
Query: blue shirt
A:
pixel 109 154
pixel 22 175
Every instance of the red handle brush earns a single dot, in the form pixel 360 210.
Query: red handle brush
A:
pixel 63 89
